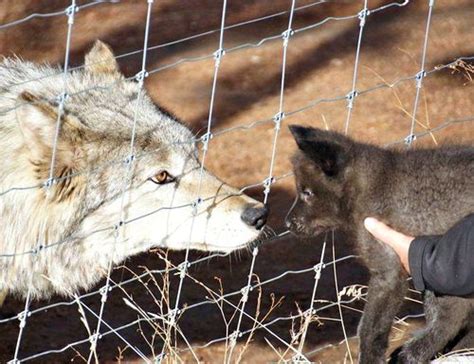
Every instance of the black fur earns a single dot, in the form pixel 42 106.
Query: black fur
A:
pixel 418 192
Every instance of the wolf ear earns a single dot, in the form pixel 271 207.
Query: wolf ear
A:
pixel 101 60
pixel 38 122
pixel 321 147
pixel 37 119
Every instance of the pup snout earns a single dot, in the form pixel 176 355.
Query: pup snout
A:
pixel 292 224
pixel 255 216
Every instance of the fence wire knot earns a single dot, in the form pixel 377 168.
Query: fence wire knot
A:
pixel 419 78
pixel 62 98
pixel 38 249
pixel 49 182
pixel 277 119
pixel 130 159
pixel 103 293
pixel 218 55
pixel 267 184
pixel 245 293
pixel 93 340
pixel 298 359
pixel 363 14
pixel 350 97
pixel 159 358
pixel 205 139
pixel 410 139
pixel 286 35
pixel 22 317
pixel 317 269
pixel 233 337
pixel 118 225
pixel 140 76
pixel 173 313
pixel 308 312
pixel 183 269
pixel 70 11
pixel 195 204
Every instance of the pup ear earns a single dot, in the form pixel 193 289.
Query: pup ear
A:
pixel 321 147
pixel 101 60
pixel 302 136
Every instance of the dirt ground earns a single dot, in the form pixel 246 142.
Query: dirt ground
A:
pixel 320 65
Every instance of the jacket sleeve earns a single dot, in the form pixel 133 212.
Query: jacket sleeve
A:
pixel 445 263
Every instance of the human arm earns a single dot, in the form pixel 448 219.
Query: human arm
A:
pixel 440 263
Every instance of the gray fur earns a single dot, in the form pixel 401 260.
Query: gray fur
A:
pixel 94 142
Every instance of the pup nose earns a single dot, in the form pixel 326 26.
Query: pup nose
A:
pixel 255 216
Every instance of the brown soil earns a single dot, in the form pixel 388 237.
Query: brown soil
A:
pixel 320 65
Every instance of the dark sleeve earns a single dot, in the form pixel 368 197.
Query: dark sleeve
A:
pixel 445 263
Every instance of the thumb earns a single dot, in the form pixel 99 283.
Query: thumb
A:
pixel 382 232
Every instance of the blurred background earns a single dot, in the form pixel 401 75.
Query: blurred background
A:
pixel 320 66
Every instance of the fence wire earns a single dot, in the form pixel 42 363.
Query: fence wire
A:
pixel 170 319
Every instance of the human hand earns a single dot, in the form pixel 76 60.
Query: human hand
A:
pixel 398 241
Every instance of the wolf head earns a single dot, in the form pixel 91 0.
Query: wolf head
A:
pixel 126 175
pixel 321 167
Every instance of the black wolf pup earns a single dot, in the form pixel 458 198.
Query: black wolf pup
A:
pixel 419 192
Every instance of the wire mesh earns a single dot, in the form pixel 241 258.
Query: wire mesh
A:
pixel 171 318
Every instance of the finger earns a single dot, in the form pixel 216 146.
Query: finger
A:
pixel 382 232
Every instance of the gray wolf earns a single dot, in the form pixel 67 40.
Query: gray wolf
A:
pixel 69 220
pixel 418 192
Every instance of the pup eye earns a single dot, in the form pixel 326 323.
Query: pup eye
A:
pixel 162 178
pixel 307 193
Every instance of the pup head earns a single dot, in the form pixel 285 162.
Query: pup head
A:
pixel 321 168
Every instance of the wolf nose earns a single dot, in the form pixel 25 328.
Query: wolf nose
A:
pixel 255 216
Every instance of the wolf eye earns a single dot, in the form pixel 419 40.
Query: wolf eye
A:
pixel 162 178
